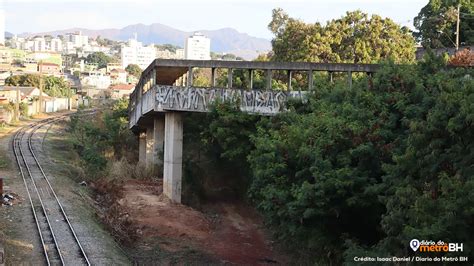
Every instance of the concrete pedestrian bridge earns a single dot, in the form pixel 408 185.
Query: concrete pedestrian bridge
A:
pixel 165 93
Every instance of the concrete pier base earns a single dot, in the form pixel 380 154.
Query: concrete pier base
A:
pixel 154 143
pixel 142 148
pixel 159 136
pixel 173 156
pixel 150 141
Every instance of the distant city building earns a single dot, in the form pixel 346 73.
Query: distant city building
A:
pixel 89 49
pixel 96 79
pixel 45 57
pixel 68 48
pixel 135 53
pixel 179 53
pixel 28 45
pixel 78 40
pixel 56 45
pixel 112 66
pixel 39 44
pixel 5 55
pixel 197 47
pixel 16 42
pixel 120 91
pixel 6 59
pixel 50 68
pixel 118 76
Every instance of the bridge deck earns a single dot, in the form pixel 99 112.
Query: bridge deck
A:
pixel 166 85
pixel 165 91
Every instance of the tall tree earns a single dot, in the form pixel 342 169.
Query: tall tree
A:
pixel 134 70
pixel 53 86
pixel 100 59
pixel 436 23
pixel 353 38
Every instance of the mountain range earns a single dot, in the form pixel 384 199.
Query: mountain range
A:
pixel 226 40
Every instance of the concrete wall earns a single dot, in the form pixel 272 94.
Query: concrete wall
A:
pixel 162 98
pixel 192 99
pixel 173 156
pixel 57 104
pixel 49 106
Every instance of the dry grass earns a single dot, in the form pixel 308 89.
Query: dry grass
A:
pixel 4 161
pixel 124 170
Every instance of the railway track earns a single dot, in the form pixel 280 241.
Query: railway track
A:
pixel 60 244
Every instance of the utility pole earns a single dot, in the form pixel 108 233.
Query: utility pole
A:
pixel 40 86
pixel 457 27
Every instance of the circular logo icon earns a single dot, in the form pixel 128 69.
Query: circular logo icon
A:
pixel 414 244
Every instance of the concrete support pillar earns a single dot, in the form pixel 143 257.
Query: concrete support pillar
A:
pixel 190 77
pixel 250 78
pixel 159 136
pixel 289 80
pixel 229 78
pixel 213 77
pixel 142 147
pixel 330 76
pixel 310 79
pixel 150 145
pixel 268 79
pixel 154 143
pixel 173 159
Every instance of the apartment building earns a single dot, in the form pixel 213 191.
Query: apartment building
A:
pixel 197 47
pixel 135 53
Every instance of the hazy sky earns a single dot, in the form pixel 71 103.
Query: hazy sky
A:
pixel 249 16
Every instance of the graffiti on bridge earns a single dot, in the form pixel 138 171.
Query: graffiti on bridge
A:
pixel 199 99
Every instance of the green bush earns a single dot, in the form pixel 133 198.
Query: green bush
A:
pixel 101 137
pixel 365 171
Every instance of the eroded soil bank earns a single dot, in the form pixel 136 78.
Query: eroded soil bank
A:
pixel 222 233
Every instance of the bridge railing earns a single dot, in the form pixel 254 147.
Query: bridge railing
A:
pixel 163 98
pixel 149 96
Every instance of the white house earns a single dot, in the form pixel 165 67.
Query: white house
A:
pixel 118 76
pixel 96 79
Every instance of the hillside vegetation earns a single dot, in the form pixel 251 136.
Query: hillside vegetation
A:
pixel 362 170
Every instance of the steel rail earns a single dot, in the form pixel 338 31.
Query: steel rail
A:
pixel 63 212
pixel 14 143
pixel 22 155
pixel 19 158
